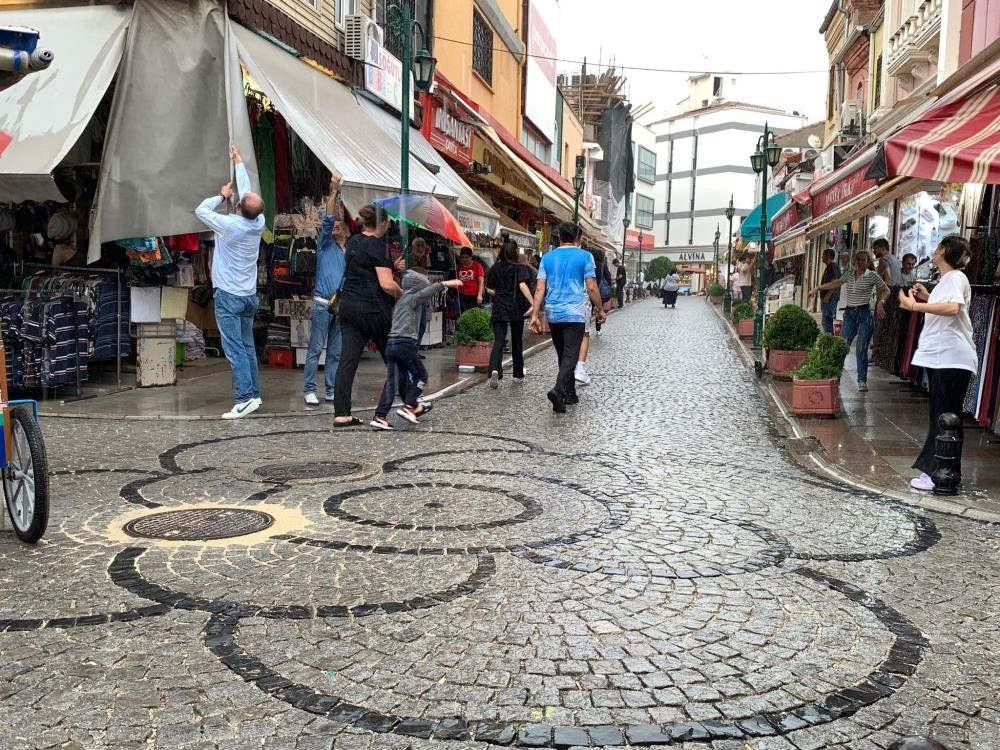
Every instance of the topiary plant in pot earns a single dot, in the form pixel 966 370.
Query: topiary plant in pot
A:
pixel 743 315
pixel 789 334
pixel 473 338
pixel 715 292
pixel 816 384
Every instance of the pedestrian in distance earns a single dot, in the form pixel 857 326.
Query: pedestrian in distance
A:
pixel 473 278
pixel 401 350
pixel 324 331
pixel 603 286
pixel 671 284
pixel 364 305
pixel 946 349
pixel 604 282
pixel 830 298
pixel 567 284
pixel 419 262
pixel 508 281
pixel 621 279
pixel 234 276
pixel 907 267
pixel 744 275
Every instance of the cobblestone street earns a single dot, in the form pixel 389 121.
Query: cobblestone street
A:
pixel 651 568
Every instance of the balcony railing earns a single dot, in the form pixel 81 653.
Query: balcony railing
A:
pixel 914 45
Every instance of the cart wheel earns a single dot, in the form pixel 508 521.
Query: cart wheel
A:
pixel 26 478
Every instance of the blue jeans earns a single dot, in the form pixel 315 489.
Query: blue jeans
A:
pixel 401 356
pixel 858 322
pixel 324 334
pixel 829 314
pixel 234 317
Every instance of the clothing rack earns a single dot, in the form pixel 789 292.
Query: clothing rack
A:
pixel 117 272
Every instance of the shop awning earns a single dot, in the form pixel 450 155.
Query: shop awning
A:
pixel 955 142
pixel 474 214
pixel 333 124
pixel 46 112
pixel 791 244
pixel 750 229
pixel 552 201
pixel 524 239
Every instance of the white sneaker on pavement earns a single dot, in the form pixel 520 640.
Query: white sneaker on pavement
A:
pixel 494 379
pixel 311 399
pixel 241 410
pixel 581 375
pixel 923 482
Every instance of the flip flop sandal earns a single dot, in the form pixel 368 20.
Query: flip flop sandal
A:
pixel 355 422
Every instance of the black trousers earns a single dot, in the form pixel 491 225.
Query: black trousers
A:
pixel 359 324
pixel 467 301
pixel 516 346
pixel 566 338
pixel 621 296
pixel 947 391
pixel 746 292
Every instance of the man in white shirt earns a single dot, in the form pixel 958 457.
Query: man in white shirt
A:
pixel 234 275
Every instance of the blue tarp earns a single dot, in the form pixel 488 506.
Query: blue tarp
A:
pixel 750 229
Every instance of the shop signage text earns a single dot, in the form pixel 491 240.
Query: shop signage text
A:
pixel 786 219
pixel 504 173
pixel 702 256
pixel 633 238
pixel 850 186
pixel 446 132
pixel 384 75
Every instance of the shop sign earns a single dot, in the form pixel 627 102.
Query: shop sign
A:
pixel 791 248
pixel 785 219
pixel 850 186
pixel 695 256
pixel 475 223
pixel 447 133
pixel 384 75
pixel 504 173
pixel 633 238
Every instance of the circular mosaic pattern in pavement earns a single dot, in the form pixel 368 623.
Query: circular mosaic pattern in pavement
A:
pixel 320 471
pixel 199 524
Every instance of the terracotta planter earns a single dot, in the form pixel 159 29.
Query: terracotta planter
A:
pixel 477 355
pixel 716 299
pixel 782 363
pixel 816 398
pixel 744 328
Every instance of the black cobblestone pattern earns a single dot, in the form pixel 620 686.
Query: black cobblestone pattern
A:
pixel 650 569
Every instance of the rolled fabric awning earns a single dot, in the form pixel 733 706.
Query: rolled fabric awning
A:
pixel 45 113
pixel 750 229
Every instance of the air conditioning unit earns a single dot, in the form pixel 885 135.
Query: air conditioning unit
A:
pixel 850 116
pixel 358 29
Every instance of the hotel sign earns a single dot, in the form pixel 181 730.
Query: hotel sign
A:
pixel 694 256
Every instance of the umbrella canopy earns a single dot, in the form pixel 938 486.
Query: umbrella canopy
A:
pixel 425 212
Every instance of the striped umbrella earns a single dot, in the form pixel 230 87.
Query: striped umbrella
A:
pixel 425 212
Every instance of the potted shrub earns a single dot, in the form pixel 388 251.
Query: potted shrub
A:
pixel 715 292
pixel 743 315
pixel 789 334
pixel 816 385
pixel 474 338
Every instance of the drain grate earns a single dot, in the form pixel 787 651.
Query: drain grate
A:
pixel 199 524
pixel 282 473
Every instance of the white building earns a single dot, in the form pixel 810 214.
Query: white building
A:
pixel 703 158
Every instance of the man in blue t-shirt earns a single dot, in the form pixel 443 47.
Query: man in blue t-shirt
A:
pixel 567 282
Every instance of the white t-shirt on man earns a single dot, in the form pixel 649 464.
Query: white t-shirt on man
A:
pixel 946 340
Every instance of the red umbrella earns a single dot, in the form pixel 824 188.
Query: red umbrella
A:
pixel 425 212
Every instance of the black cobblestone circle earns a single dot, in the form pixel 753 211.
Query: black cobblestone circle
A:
pixel 289 472
pixel 199 524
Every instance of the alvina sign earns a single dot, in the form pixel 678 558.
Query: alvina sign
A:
pixel 446 132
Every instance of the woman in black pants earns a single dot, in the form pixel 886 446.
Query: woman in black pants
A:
pixel 366 299
pixel 946 349
pixel 508 282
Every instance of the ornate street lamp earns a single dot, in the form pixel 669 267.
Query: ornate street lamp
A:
pixel 727 299
pixel 578 183
pixel 768 153
pixel 400 22
pixel 715 245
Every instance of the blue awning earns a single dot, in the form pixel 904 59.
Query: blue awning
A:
pixel 750 229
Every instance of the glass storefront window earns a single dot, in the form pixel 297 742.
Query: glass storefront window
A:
pixel 924 219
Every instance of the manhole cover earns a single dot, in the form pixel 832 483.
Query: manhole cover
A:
pixel 199 524
pixel 281 473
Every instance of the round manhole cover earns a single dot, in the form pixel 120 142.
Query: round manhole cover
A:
pixel 199 524
pixel 309 470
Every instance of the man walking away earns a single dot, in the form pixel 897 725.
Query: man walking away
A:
pixel 325 330
pixel 567 283
pixel 830 298
pixel 621 277
pixel 234 274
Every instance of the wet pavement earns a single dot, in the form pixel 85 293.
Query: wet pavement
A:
pixel 651 568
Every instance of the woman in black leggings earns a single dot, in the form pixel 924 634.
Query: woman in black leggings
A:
pixel 366 300
pixel 508 281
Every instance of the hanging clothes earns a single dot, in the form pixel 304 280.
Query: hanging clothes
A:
pixel 282 168
pixel 263 136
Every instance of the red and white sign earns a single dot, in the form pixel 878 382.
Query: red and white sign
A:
pixel 788 217
pixel 636 238
pixel 540 77
pixel 448 133
pixel 850 186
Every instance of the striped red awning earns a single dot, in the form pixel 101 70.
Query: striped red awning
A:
pixel 956 142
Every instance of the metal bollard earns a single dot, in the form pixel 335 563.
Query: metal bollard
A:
pixel 947 449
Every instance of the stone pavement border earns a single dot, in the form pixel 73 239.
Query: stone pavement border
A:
pixel 814 460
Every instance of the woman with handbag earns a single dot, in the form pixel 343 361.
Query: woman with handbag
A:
pixel 507 281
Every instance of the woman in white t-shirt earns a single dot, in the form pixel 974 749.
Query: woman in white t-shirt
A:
pixel 945 350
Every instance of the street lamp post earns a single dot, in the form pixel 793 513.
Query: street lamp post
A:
pixel 715 245
pixel 578 184
pixel 625 222
pixel 768 153
pixel 638 268
pixel 400 21
pixel 727 299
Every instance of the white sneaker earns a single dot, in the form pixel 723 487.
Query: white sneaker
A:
pixel 581 375
pixel 241 410
pixel 494 379
pixel 311 399
pixel 863 387
pixel 923 482
pixel 381 423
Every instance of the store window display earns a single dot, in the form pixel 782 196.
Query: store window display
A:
pixel 924 219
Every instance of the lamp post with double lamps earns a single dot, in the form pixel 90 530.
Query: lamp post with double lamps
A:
pixel 727 299
pixel 578 183
pixel 625 222
pixel 768 154
pixel 715 246
pixel 400 22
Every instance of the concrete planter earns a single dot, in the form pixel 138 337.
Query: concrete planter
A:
pixel 744 328
pixel 782 363
pixel 816 398
pixel 474 355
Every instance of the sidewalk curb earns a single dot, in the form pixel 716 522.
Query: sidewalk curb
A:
pixel 816 462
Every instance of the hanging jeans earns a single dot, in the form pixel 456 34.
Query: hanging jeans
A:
pixel 829 309
pixel 947 393
pixel 401 362
pixel 324 334
pixel 234 317
pixel 359 324
pixel 858 323
pixel 516 346
pixel 566 338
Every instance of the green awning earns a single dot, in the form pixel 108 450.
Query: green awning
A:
pixel 750 229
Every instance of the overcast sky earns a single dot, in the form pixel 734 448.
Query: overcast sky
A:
pixel 710 35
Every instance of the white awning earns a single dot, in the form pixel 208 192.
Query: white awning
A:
pixel 552 201
pixel 473 212
pixel 46 112
pixel 328 117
